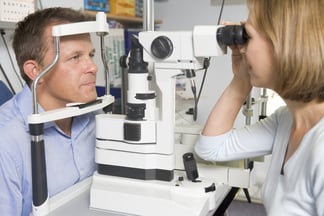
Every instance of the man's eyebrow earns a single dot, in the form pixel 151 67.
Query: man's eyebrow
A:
pixel 78 51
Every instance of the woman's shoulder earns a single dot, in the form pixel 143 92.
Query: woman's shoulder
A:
pixel 283 110
pixel 281 114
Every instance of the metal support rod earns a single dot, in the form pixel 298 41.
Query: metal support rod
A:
pixel 248 111
pixel 264 97
pixel 148 16
pixel 105 62
pixel 44 72
pixel 40 191
pixel 124 90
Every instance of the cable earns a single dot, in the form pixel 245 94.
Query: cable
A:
pixel 196 104
pixel 10 57
pixel 7 79
pixel 206 66
pixel 207 61
pixel 40 4
pixel 191 74
pixel 221 12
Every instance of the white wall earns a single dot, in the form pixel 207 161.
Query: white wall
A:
pixel 184 14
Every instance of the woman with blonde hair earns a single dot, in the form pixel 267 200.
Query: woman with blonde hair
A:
pixel 285 53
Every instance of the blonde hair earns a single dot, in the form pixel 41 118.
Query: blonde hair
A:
pixel 296 30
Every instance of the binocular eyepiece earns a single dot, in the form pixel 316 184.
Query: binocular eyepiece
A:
pixel 231 35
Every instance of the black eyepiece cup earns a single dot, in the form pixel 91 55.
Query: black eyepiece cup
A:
pixel 231 35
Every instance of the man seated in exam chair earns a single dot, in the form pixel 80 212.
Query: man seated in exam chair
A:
pixel 70 142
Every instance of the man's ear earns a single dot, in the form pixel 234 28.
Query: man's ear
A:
pixel 31 69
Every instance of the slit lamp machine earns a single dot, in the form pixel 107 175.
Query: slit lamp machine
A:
pixel 141 170
pixel 139 163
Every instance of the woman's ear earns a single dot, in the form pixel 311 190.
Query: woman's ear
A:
pixel 31 69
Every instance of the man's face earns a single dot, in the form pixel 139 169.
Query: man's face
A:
pixel 73 78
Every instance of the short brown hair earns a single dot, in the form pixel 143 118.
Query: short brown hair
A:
pixel 28 39
pixel 296 31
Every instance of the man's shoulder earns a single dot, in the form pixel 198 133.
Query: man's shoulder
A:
pixel 12 123
pixel 8 114
pixel 15 139
pixel 17 108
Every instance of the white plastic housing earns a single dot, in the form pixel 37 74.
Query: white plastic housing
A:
pixel 99 26
pixel 205 42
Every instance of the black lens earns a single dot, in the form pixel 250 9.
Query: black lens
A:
pixel 231 35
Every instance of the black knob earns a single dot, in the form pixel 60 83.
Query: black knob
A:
pixel 161 47
pixel 123 61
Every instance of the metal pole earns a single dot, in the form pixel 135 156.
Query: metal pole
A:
pixel 148 16
pixel 43 73
pixel 264 97
pixel 248 112
pixel 105 63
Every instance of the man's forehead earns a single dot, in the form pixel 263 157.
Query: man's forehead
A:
pixel 85 36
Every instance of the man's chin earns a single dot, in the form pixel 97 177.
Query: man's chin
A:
pixel 88 97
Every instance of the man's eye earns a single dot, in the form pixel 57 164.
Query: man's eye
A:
pixel 75 57
pixel 92 55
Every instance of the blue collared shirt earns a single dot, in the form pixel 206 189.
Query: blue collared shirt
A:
pixel 69 159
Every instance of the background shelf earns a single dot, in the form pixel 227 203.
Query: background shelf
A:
pixel 125 20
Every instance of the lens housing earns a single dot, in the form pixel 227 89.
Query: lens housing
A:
pixel 231 35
